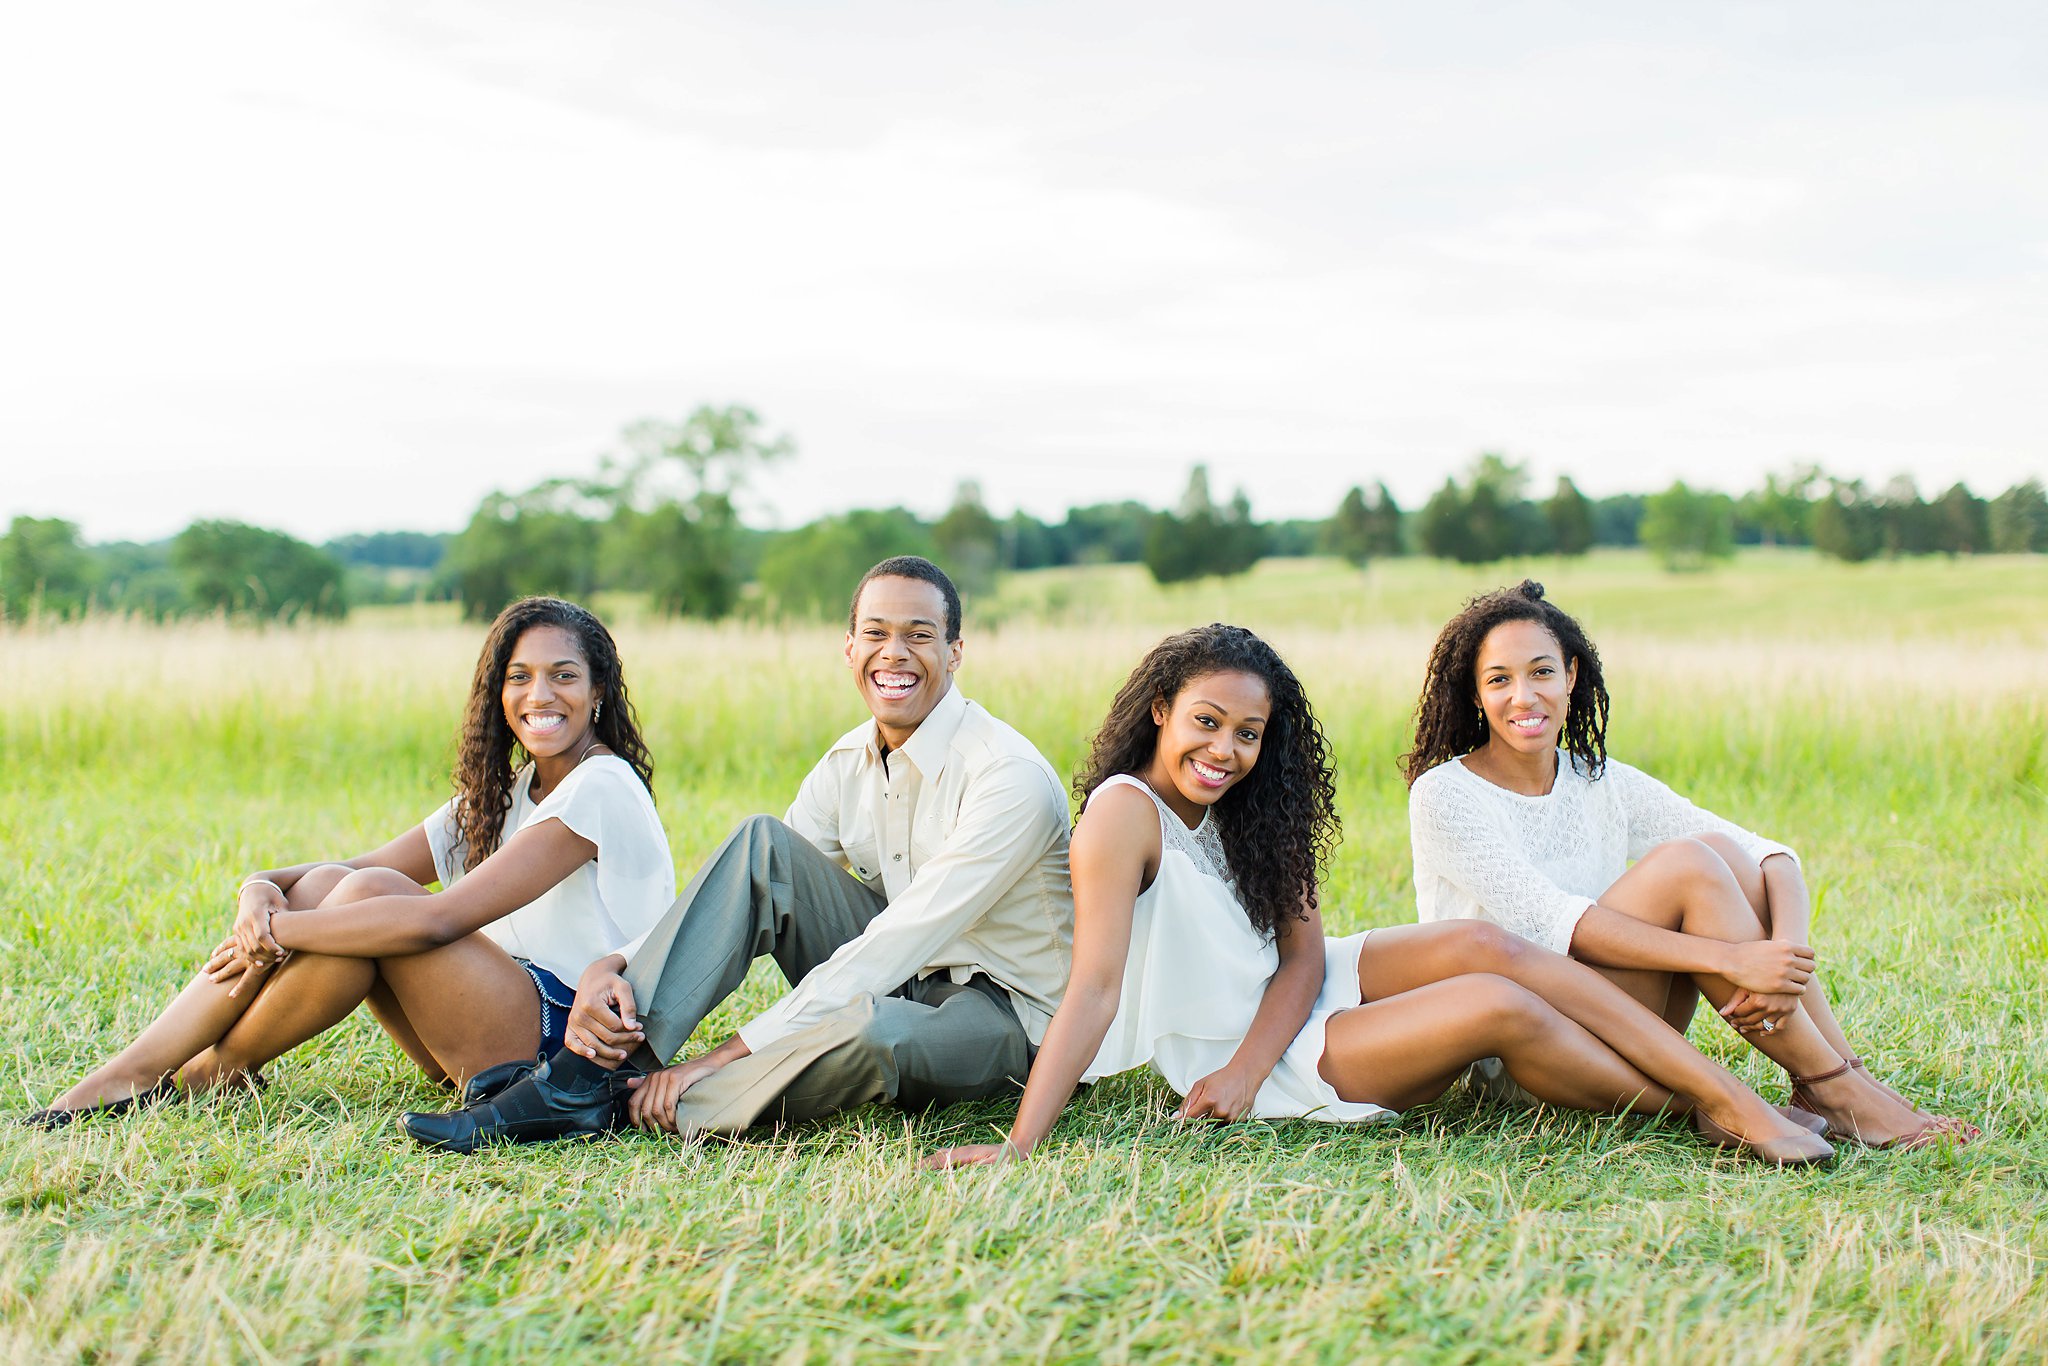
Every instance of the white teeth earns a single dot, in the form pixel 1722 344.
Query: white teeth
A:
pixel 544 723
pixel 1204 771
pixel 893 683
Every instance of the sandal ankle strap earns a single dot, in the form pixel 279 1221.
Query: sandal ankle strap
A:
pixel 1820 1076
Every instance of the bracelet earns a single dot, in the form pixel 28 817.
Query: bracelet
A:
pixel 259 882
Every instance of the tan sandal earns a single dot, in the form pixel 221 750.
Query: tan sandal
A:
pixel 1962 1129
pixel 1805 1150
pixel 1926 1134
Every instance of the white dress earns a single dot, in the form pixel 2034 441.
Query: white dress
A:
pixel 1196 973
pixel 606 906
pixel 1534 865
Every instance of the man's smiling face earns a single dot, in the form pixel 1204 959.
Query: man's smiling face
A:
pixel 899 654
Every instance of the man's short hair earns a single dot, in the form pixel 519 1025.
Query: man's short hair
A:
pixel 910 567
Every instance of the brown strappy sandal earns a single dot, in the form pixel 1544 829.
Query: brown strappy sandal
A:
pixel 1925 1135
pixel 1962 1129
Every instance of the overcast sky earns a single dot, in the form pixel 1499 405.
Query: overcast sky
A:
pixel 351 266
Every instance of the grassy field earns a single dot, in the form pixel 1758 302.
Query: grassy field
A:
pixel 1890 721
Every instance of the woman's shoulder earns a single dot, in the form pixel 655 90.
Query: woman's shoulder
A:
pixel 1449 781
pixel 1121 801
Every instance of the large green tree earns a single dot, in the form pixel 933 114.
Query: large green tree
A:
pixel 811 571
pixel 1570 514
pixel 969 541
pixel 43 568
pixel 544 540
pixel 253 571
pixel 675 530
pixel 2018 519
pixel 1688 528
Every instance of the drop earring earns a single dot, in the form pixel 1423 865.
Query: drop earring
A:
pixel 596 712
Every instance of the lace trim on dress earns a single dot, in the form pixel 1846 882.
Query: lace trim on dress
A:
pixel 1203 845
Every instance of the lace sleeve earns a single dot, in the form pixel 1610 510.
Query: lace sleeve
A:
pixel 1460 841
pixel 1655 814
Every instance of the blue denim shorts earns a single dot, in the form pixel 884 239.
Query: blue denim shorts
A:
pixel 556 996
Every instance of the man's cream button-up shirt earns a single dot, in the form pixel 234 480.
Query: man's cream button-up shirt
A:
pixel 964 832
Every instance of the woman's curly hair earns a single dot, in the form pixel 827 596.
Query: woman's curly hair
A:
pixel 488 758
pixel 1279 822
pixel 1448 718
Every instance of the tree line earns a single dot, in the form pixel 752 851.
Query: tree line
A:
pixel 662 517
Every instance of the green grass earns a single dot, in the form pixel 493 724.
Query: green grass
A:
pixel 1888 720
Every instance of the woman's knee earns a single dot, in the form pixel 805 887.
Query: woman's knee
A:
pixel 1479 946
pixel 1748 873
pixel 1508 1009
pixel 363 883
pixel 315 885
pixel 1688 862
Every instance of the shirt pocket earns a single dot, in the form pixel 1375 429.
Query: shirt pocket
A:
pixel 928 837
pixel 864 857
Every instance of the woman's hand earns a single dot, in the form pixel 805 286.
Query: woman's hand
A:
pixel 973 1155
pixel 254 905
pixel 228 964
pixel 1749 1011
pixel 1769 967
pixel 1225 1094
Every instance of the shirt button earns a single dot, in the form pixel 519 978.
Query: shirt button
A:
pixel 898 858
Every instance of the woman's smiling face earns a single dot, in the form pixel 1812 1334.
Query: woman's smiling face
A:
pixel 1524 685
pixel 1209 738
pixel 547 693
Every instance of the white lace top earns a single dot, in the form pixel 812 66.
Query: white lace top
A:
pixel 1196 973
pixel 1535 864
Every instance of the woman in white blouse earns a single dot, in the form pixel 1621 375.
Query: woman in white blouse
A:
pixel 1199 946
pixel 543 867
pixel 1517 816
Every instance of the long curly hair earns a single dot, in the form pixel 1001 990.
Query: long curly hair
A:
pixel 488 758
pixel 1279 822
pixel 1448 719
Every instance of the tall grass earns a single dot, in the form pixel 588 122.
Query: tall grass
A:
pixel 1888 721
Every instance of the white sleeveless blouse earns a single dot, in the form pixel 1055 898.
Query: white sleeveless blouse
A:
pixel 1196 973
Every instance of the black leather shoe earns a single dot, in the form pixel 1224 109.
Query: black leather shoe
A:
pixel 535 1109
pixel 492 1080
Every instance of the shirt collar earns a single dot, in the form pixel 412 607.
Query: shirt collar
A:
pixel 932 741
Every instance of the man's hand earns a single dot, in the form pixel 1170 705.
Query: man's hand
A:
pixel 652 1106
pixel 1769 967
pixel 973 1155
pixel 1225 1094
pixel 604 1024
pixel 1749 1011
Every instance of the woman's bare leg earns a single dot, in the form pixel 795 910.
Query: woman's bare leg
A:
pixel 1686 886
pixel 470 1004
pixel 1408 1048
pixel 1405 958
pixel 1749 875
pixel 196 1019
pixel 308 995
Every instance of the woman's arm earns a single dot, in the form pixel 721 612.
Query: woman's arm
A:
pixel 1228 1092
pixel 263 895
pixel 1114 856
pixel 525 866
